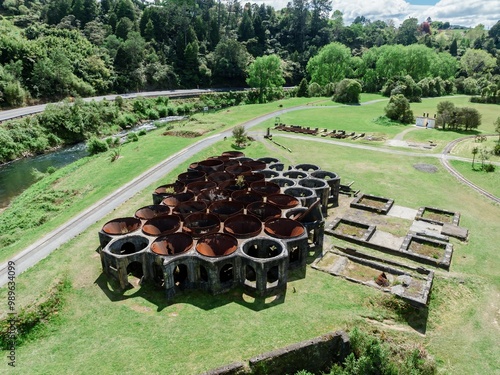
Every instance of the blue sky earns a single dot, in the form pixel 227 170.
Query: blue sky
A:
pixel 458 12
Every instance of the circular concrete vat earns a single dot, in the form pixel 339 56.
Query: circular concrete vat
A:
pixel 256 165
pixel 283 182
pixel 305 195
pixel 213 195
pixel 265 188
pixel 191 176
pixel 231 162
pixel 163 191
pixel 226 208
pixel 313 183
pixel 238 169
pixel 294 174
pixel 185 209
pixel 243 226
pixel 307 167
pixel 123 225
pixel 333 180
pixel 246 197
pixel 149 212
pixel 276 166
pixel 283 201
pixel 262 248
pixel 233 154
pixel 196 187
pixel 264 211
pixel 219 177
pixel 200 223
pixel 128 245
pixel 295 213
pixel 175 199
pixel 268 173
pixel 268 160
pixel 284 228
pixel 217 245
pixel 172 244
pixel 162 225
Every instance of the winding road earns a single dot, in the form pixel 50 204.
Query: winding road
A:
pixel 53 240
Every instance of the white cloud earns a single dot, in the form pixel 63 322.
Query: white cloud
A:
pixel 458 12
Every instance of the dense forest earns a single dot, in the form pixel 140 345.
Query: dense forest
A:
pixel 51 49
pixel 55 49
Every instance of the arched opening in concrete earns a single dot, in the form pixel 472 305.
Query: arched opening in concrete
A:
pixel 272 276
pixel 180 275
pixel 135 269
pixel 203 273
pixel 226 273
pixel 158 275
pixel 250 275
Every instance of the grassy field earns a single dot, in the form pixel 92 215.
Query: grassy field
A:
pixel 490 181
pixel 465 147
pixel 101 329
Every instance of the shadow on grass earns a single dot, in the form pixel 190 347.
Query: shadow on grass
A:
pixel 201 299
pixel 237 147
pixel 415 317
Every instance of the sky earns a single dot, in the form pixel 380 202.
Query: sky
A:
pixel 468 13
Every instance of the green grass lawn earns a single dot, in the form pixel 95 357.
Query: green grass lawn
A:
pixel 490 181
pixel 100 330
pixel 465 147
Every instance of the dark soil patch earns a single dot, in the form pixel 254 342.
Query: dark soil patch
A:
pixel 427 249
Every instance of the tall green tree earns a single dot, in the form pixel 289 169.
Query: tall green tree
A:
pixel 398 109
pixel 331 64
pixel 264 74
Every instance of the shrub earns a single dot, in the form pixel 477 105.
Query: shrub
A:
pixel 153 114
pixel 315 90
pixel 347 91
pixel 496 150
pixel 142 132
pixel 96 146
pixel 51 169
pixel 132 137
pixel 399 109
pixel 302 90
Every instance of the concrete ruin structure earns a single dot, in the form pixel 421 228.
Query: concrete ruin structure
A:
pixel 228 221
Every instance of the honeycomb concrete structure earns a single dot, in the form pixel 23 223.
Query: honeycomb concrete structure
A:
pixel 228 221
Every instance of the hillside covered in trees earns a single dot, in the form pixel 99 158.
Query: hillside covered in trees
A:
pixel 51 49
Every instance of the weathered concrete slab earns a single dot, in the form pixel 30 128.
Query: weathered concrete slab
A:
pixel 402 212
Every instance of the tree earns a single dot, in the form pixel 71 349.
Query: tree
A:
pixel 239 135
pixel 497 128
pixel 265 73
pixel 398 109
pixel 347 91
pixel 407 33
pixel 471 118
pixel 302 90
pixel 229 62
pixel 331 64
pixel 445 113
pixel 477 62
pixel 475 150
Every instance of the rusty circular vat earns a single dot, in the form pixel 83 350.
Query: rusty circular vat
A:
pixel 162 225
pixel 283 201
pixel 185 209
pixel 294 174
pixel 233 154
pixel 255 165
pixel 231 162
pixel 217 245
pixel 246 197
pixel 128 245
pixel 212 195
pixel 243 226
pixel 197 186
pixel 283 182
pixel 307 167
pixel 264 211
pixel 265 188
pixel 123 225
pixel 252 177
pixel 238 169
pixel 177 187
pixel 284 228
pixel 149 212
pixel 268 173
pixel 262 248
pixel 172 244
pixel 226 208
pixel 210 165
pixel 175 199
pixel 201 223
pixel 191 176
pixel 219 177
pixel 233 185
